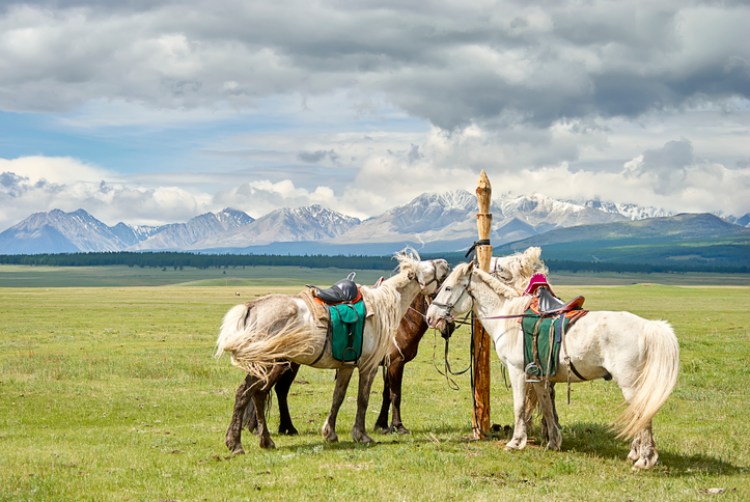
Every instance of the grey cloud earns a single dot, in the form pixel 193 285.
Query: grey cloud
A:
pixel 668 165
pixel 319 156
pixel 446 64
pixel 12 184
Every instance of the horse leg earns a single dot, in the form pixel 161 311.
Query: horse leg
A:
pixel 518 383
pixel 281 388
pixel 242 401
pixel 550 428
pixel 282 391
pixel 381 424
pixel 643 451
pixel 396 376
pixel 343 375
pixel 544 428
pixel 359 434
pixel 530 405
pixel 259 401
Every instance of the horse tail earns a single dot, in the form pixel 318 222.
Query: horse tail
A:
pixel 260 354
pixel 257 351
pixel 656 379
pixel 232 328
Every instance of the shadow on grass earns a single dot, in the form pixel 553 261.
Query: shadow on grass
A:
pixel 597 440
pixel 600 441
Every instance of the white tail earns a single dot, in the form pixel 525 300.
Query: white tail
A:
pixel 232 328
pixel 255 351
pixel 657 378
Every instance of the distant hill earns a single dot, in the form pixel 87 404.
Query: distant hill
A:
pixel 696 238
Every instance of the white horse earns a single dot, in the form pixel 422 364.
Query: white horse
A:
pixel 641 356
pixel 265 334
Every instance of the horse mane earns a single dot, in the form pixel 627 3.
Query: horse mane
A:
pixel 384 300
pixel 497 285
pixel 408 259
pixel 521 266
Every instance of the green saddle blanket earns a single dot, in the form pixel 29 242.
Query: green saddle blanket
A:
pixel 347 323
pixel 546 342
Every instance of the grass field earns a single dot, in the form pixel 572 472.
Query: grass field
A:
pixel 112 393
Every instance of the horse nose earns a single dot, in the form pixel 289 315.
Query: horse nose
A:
pixel 433 319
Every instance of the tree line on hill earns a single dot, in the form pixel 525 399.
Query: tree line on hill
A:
pixel 179 260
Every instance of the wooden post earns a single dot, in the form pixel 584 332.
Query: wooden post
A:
pixel 482 342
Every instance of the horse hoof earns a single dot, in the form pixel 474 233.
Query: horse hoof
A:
pixel 238 451
pixel 289 431
pixel 268 445
pixel 331 438
pixel 362 438
pixel 646 462
pixel 633 455
pixel 515 444
pixel 401 429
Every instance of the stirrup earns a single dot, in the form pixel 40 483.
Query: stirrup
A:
pixel 532 378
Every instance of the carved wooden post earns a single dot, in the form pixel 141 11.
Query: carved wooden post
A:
pixel 482 342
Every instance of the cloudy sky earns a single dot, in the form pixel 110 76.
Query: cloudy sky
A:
pixel 153 111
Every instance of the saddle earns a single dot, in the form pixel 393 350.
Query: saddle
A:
pixel 346 311
pixel 545 302
pixel 545 322
pixel 344 291
pixel 548 304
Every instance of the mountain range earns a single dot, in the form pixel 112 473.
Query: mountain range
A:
pixel 431 222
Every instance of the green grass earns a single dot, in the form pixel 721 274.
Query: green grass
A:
pixel 112 393
pixel 117 276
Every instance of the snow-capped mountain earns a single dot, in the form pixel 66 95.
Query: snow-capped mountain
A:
pixel 630 211
pixel 440 222
pixel 429 217
pixel 177 236
pixel 312 223
pixel 59 232
pixel 78 231
pixel 544 213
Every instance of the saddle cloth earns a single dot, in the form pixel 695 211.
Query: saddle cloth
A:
pixel 347 324
pixel 543 333
pixel 343 324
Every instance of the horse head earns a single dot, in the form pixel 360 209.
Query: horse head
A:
pixel 429 274
pixel 453 298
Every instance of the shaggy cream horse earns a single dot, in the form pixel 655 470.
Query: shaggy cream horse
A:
pixel 265 334
pixel 641 356
pixel 516 270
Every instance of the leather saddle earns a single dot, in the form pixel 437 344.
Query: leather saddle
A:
pixel 549 304
pixel 344 291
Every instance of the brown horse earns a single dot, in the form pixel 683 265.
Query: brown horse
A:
pixel 514 270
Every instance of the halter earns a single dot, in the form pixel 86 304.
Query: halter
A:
pixel 448 307
pixel 434 276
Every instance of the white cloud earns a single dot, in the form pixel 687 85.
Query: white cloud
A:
pixel 359 107
pixel 54 169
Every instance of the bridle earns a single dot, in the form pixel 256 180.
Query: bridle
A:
pixel 434 276
pixel 448 307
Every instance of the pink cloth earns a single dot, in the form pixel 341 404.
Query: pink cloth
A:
pixel 536 281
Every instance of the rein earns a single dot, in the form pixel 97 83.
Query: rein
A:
pixel 448 372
